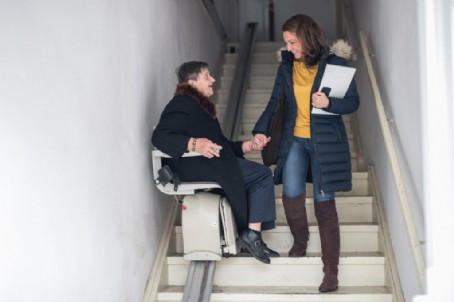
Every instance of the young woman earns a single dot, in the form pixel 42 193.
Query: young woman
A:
pixel 189 123
pixel 314 147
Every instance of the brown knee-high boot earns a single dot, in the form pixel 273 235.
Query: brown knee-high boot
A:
pixel 328 224
pixel 295 211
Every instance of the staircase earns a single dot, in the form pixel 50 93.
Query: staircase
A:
pixel 366 263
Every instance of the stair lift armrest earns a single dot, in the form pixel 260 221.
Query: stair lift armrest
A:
pixel 185 188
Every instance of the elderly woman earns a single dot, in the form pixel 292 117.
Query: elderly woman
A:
pixel 189 123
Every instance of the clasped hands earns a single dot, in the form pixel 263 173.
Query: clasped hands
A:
pixel 259 141
pixel 209 149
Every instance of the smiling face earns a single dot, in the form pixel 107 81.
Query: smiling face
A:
pixel 293 44
pixel 203 83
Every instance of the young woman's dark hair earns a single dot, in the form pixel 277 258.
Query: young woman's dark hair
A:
pixel 190 70
pixel 310 34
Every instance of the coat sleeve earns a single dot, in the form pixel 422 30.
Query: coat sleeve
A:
pixel 264 120
pixel 170 134
pixel 350 102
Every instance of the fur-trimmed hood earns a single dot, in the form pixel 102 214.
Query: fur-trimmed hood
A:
pixel 340 48
pixel 205 103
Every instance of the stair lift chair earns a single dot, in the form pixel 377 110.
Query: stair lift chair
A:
pixel 209 230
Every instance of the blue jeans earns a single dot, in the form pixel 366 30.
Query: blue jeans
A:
pixel 295 170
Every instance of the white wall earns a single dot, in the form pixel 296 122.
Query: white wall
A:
pixel 436 37
pixel 393 39
pixel 81 84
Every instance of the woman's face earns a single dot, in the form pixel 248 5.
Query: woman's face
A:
pixel 293 44
pixel 204 83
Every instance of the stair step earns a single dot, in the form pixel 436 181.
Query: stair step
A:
pixel 285 294
pixel 257 58
pixel 256 70
pixel 355 269
pixel 253 96
pixel 360 187
pixel 259 46
pixel 256 82
pixel 354 238
pixel 350 209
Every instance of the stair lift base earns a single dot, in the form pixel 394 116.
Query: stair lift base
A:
pixel 209 230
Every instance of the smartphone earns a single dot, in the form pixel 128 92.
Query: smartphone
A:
pixel 326 90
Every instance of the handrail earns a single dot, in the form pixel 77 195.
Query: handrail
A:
pixel 396 171
pixel 234 110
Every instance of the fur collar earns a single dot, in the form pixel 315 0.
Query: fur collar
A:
pixel 342 49
pixel 204 102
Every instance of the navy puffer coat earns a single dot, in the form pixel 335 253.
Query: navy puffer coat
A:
pixel 328 134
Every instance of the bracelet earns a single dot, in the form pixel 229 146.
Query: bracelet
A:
pixel 194 141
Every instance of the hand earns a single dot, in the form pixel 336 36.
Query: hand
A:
pixel 207 148
pixel 320 100
pixel 260 141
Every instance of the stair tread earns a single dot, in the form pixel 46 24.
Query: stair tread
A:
pixel 341 200
pixel 286 294
pixel 344 227
pixel 355 258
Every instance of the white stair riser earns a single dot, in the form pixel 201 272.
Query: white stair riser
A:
pixel 257 158
pixel 289 274
pixel 264 82
pixel 360 187
pixel 257 70
pixel 258 58
pixel 348 213
pixel 259 47
pixel 310 294
pixel 282 240
pixel 256 97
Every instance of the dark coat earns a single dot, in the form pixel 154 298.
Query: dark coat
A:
pixel 183 118
pixel 329 138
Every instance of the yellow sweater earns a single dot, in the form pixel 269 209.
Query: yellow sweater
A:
pixel 303 79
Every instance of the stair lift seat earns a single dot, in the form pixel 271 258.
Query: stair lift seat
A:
pixel 208 225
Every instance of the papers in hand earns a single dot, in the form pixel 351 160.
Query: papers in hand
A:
pixel 338 78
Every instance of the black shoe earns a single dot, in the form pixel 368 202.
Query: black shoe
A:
pixel 253 243
pixel 270 252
